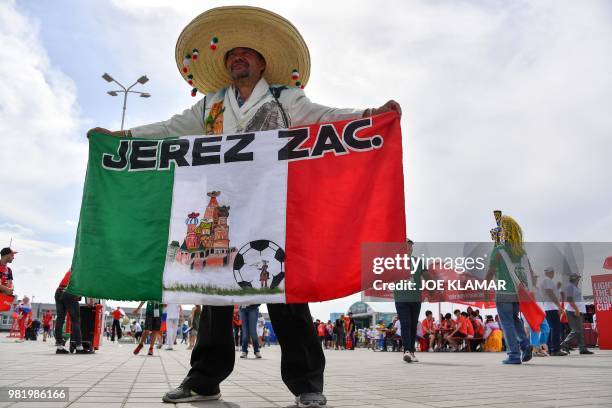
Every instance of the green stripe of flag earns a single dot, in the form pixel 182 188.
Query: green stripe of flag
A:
pixel 135 243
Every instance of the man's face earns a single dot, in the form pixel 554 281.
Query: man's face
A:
pixel 8 258
pixel 550 274
pixel 244 63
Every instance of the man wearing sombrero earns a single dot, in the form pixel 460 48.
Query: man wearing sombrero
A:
pixel 252 66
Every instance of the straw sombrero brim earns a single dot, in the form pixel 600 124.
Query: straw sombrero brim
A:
pixel 271 35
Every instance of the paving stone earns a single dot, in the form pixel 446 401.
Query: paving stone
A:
pixel 114 378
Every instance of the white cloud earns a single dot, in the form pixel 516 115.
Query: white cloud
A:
pixel 38 111
pixel 41 153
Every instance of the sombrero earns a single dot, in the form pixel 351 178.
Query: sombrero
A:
pixel 201 47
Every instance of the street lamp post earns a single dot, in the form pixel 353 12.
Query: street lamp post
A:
pixel 142 80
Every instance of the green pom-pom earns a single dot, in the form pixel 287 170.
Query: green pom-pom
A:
pixel 295 71
pixel 190 76
pixel 195 50
pixel 188 56
pixel 215 40
pixel 298 83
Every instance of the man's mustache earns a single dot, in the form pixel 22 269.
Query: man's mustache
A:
pixel 239 62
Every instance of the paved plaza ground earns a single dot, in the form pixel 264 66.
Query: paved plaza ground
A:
pixel 114 378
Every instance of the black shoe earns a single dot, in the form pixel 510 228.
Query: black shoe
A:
pixel 407 358
pixel 311 400
pixel 586 352
pixel 558 353
pixel 61 351
pixel 527 354
pixel 182 393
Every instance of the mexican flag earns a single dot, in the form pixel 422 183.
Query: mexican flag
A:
pixel 267 217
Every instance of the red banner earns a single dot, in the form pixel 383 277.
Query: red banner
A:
pixel 602 294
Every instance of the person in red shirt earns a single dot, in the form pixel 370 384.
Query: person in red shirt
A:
pixel 6 275
pixel 237 326
pixel 478 329
pixel 429 329
pixel 470 330
pixel 349 329
pixel 321 331
pixel 25 317
pixel 47 319
pixel 116 329
pixel 66 302
pixel 459 332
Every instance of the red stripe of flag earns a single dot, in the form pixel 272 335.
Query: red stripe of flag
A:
pixel 336 203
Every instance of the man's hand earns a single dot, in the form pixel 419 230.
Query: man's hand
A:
pixel 387 107
pixel 118 133
pixel 6 290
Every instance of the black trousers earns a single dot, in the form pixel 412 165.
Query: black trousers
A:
pixel 302 360
pixel 408 313
pixel 116 329
pixel 554 321
pixel 67 303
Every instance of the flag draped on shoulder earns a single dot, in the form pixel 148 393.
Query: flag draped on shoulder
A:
pixel 269 217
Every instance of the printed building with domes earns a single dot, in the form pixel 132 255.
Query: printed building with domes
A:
pixel 206 243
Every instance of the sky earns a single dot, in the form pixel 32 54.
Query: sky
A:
pixel 506 105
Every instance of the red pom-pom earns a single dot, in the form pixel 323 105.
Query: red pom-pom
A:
pixel 193 93
pixel 194 57
pixel 190 82
pixel 185 69
pixel 213 46
pixel 301 86
pixel 295 76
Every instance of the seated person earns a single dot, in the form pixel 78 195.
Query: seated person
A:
pixel 446 327
pixel 429 329
pixel 478 327
pixel 493 336
pixel 460 332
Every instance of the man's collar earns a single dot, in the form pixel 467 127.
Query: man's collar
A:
pixel 260 89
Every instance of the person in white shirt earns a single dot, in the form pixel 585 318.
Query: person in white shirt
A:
pixel 575 308
pixel 553 309
pixel 173 312
pixel 261 324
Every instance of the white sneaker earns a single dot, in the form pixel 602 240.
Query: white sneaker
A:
pixel 413 357
pixel 430 350
pixel 257 354
pixel 243 354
